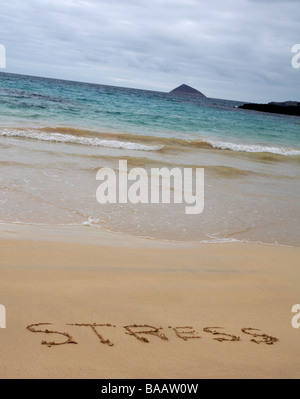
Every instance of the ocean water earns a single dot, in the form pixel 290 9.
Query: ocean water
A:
pixel 55 135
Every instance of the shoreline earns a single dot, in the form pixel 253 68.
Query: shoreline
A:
pixel 106 232
pixel 81 276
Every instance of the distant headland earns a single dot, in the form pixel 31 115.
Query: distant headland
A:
pixel 187 90
pixel 285 108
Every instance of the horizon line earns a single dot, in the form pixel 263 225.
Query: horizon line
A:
pixel 107 85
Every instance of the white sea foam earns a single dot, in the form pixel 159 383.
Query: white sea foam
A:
pixel 127 145
pixel 67 138
pixel 254 148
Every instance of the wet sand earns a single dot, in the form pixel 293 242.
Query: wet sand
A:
pixel 84 277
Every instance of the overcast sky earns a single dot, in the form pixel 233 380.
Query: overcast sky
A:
pixel 235 49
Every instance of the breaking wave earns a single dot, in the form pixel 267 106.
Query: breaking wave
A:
pixel 91 141
pixel 138 142
pixel 254 148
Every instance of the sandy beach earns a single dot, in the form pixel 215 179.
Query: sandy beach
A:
pixel 82 276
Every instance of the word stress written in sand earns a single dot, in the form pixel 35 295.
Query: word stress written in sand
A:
pixel 144 333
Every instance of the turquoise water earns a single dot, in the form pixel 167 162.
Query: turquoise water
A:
pixel 35 102
pixel 55 135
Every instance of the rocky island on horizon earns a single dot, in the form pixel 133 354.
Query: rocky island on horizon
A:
pixel 187 90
